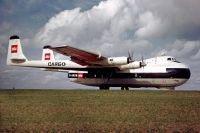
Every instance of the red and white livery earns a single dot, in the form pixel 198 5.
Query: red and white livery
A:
pixel 88 68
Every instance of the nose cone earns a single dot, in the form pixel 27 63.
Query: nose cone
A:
pixel 186 72
pixel 180 71
pixel 185 75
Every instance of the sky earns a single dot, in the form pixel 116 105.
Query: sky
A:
pixel 112 27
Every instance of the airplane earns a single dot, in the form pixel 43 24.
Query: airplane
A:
pixel 92 69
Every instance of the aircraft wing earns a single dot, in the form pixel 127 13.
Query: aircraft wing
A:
pixel 79 56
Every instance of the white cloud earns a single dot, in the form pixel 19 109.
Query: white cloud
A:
pixel 116 22
pixel 73 25
pixel 150 26
pixel 115 27
pixel 184 48
pixel 196 56
pixel 179 18
pixel 106 23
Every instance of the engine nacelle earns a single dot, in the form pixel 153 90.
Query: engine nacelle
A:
pixel 133 65
pixel 118 60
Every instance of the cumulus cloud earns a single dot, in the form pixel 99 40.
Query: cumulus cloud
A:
pixel 150 26
pixel 184 48
pixel 196 56
pixel 116 23
pixel 108 23
pixel 179 18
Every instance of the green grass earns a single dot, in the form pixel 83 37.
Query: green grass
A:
pixel 99 111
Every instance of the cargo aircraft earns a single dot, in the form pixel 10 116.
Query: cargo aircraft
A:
pixel 93 69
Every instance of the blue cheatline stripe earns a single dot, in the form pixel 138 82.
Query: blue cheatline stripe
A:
pixel 181 73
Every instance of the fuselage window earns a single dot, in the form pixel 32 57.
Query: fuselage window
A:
pixel 172 59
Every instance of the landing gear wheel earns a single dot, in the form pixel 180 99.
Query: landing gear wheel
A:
pixel 127 88
pixel 104 87
pixel 124 88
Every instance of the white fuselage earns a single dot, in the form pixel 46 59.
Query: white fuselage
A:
pixel 159 72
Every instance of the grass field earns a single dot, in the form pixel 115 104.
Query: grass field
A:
pixel 99 111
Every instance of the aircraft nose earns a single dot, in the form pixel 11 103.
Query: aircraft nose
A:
pixel 187 72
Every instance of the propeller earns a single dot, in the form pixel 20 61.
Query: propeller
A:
pixel 142 63
pixel 130 57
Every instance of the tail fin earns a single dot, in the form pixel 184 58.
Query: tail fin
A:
pixel 15 53
pixel 47 54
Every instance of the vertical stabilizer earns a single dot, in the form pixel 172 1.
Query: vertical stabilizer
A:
pixel 47 54
pixel 15 53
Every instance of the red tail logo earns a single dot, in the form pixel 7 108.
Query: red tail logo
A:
pixel 47 56
pixel 14 48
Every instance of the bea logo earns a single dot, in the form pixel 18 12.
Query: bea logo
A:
pixel 14 48
pixel 47 56
pixel 80 75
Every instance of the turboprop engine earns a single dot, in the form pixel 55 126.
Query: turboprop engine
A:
pixel 133 65
pixel 118 60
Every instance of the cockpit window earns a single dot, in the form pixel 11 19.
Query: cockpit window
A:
pixel 169 59
pixel 172 59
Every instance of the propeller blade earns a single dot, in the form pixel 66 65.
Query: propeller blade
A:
pixel 143 63
pixel 130 56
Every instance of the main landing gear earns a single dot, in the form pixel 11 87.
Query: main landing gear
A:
pixel 104 87
pixel 124 88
